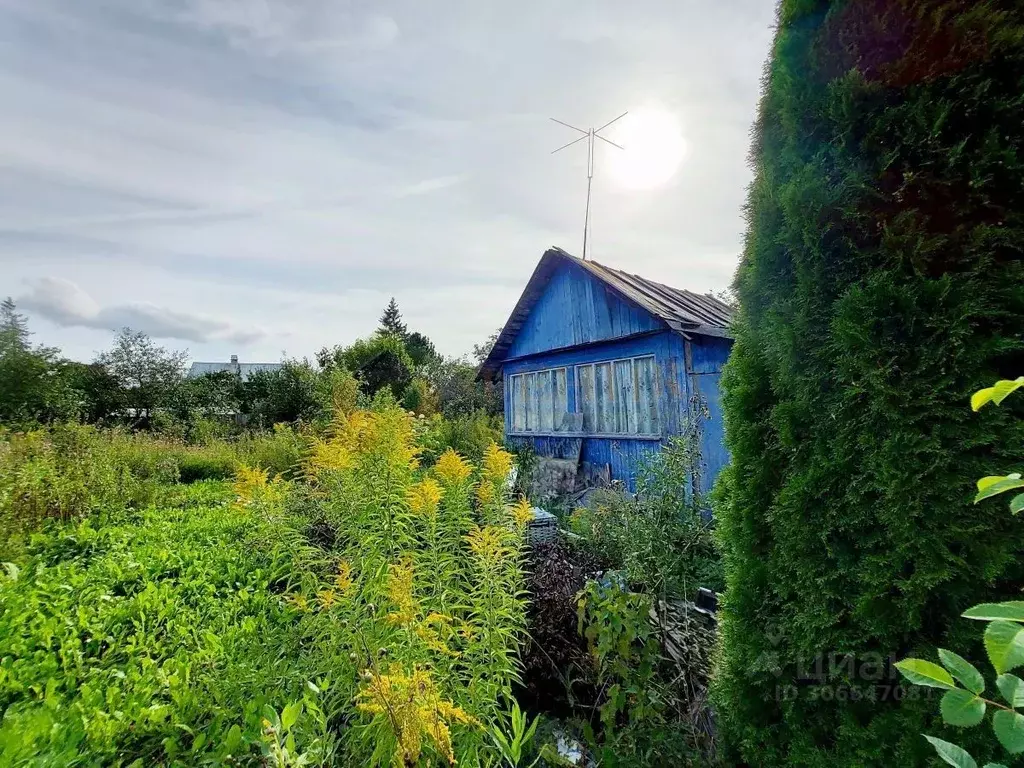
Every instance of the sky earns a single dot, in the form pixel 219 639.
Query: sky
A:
pixel 259 177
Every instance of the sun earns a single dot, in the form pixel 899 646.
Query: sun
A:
pixel 653 148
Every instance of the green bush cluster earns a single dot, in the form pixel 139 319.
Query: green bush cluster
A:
pixel 157 638
pixel 881 284
pixel 661 537
pixel 278 451
pixel 468 435
pixel 368 612
pixel 66 473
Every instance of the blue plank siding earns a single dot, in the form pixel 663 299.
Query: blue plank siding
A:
pixel 575 319
pixel 624 453
pixel 708 354
pixel 575 309
pixel 705 360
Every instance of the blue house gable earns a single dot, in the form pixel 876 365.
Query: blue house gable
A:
pixel 601 368
pixel 576 309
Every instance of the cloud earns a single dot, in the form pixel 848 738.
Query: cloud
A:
pixel 294 163
pixel 64 303
pixel 284 26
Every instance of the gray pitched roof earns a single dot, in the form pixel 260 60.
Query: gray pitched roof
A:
pixel 242 370
pixel 682 311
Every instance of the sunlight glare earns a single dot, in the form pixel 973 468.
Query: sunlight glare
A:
pixel 653 148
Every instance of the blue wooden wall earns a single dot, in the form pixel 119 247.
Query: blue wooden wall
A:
pixel 578 320
pixel 706 357
pixel 577 308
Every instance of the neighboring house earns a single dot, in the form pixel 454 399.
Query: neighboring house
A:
pixel 242 370
pixel 602 367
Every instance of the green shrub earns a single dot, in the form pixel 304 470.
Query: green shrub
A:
pixel 965 703
pixel 881 284
pixel 467 435
pixel 279 451
pixel 641 716
pixel 661 538
pixel 65 473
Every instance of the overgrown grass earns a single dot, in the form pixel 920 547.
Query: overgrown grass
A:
pixel 155 636
pixel 367 612
pixel 70 471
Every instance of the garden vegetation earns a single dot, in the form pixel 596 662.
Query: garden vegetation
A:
pixel 882 283
pixel 368 611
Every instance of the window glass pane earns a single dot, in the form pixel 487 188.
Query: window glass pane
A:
pixel 604 422
pixel 518 400
pixel 530 395
pixel 625 400
pixel 545 402
pixel 561 400
pixel 587 401
pixel 538 401
pixel 646 396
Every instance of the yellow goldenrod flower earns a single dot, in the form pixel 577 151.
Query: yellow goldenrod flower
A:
pixel 485 493
pixel 253 485
pixel 452 469
pixel 298 601
pixel 414 709
pixel 343 579
pixel 522 513
pixel 497 463
pixel 329 456
pixel 400 580
pixel 488 543
pixel 424 497
pixel 249 481
pixel 327 598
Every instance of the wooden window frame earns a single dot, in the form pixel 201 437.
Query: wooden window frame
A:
pixel 513 431
pixel 657 432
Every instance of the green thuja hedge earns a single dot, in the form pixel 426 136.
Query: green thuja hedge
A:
pixel 881 284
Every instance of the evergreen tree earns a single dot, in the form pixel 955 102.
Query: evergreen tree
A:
pixel 14 333
pixel 30 388
pixel 881 284
pixel 420 348
pixel 391 323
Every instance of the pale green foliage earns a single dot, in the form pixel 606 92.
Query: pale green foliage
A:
pixel 514 744
pixel 625 646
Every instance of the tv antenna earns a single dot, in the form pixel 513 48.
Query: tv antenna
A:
pixel 590 135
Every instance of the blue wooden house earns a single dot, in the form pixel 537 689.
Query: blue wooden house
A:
pixel 602 367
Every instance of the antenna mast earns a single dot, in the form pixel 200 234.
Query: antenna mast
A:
pixel 590 135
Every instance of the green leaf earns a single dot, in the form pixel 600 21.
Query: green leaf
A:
pixel 968 675
pixel 233 739
pixel 1017 503
pixel 962 708
pixel 1012 688
pixel 952 754
pixel 290 715
pixel 1009 728
pixel 994 765
pixel 996 393
pixel 993 485
pixel 921 672
pixel 1009 611
pixel 1004 643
